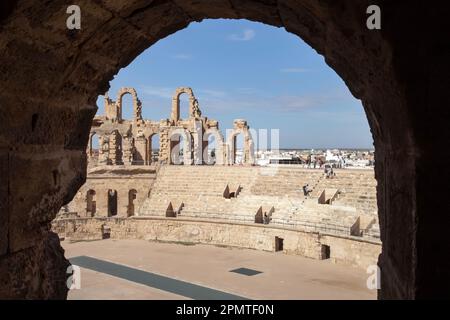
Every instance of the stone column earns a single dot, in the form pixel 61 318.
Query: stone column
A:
pixel 102 202
pixel 103 152
pixel 187 149
pixel 122 202
pixel 164 145
pixel 116 148
pixel 198 142
pixel 128 150
pixel 140 154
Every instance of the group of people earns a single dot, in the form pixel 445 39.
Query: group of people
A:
pixel 329 173
pixel 314 162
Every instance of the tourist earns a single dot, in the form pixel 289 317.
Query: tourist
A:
pixel 265 218
pixel 306 190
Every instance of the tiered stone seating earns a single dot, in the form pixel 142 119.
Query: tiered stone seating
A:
pixel 318 218
pixel 372 229
pixel 357 188
pixel 201 191
pixel 200 188
pixel 284 181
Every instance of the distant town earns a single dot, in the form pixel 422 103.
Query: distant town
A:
pixel 316 158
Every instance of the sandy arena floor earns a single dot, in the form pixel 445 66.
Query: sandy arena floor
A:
pixel 177 271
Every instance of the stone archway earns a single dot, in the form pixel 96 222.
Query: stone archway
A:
pixel 131 208
pixel 175 115
pixel 112 202
pixel 235 141
pixel 153 141
pixel 91 202
pixel 180 147
pixel 137 106
pixel 51 78
pixel 240 131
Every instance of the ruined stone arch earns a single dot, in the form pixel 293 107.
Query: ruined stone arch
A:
pixel 137 105
pixel 232 146
pixel 175 115
pixel 240 128
pixel 175 147
pixel 151 141
pixel 403 91
pixel 220 150
pixel 90 149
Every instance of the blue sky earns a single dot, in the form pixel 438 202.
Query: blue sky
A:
pixel 242 69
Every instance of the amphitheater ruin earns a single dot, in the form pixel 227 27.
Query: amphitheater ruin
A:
pixel 183 193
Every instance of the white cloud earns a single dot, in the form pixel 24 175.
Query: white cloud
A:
pixel 247 91
pixel 182 56
pixel 211 93
pixel 293 70
pixel 160 92
pixel 247 35
pixel 214 99
pixel 278 103
pixel 298 103
pixel 168 92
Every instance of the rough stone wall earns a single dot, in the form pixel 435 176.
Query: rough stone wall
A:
pixel 346 251
pixel 50 79
pixel 352 251
pixel 122 183
pixel 37 272
pixel 202 192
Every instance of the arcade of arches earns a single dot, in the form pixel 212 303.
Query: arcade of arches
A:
pixel 130 142
pixel 51 77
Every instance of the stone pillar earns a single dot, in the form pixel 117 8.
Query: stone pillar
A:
pixel 112 111
pixel 102 202
pixel 140 154
pixel 164 144
pixel 249 149
pixel 122 202
pixel 198 144
pixel 187 146
pixel 115 149
pixel 175 114
pixel 103 152
pixel 128 150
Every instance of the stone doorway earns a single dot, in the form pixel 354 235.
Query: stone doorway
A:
pixel 279 244
pixel 91 203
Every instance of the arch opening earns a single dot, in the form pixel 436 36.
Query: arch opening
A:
pixel 112 203
pixel 91 203
pixel 237 149
pixel 153 148
pixel 132 195
pixel 381 68
pixel 241 138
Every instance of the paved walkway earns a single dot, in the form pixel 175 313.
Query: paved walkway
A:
pixel 138 269
pixel 152 280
